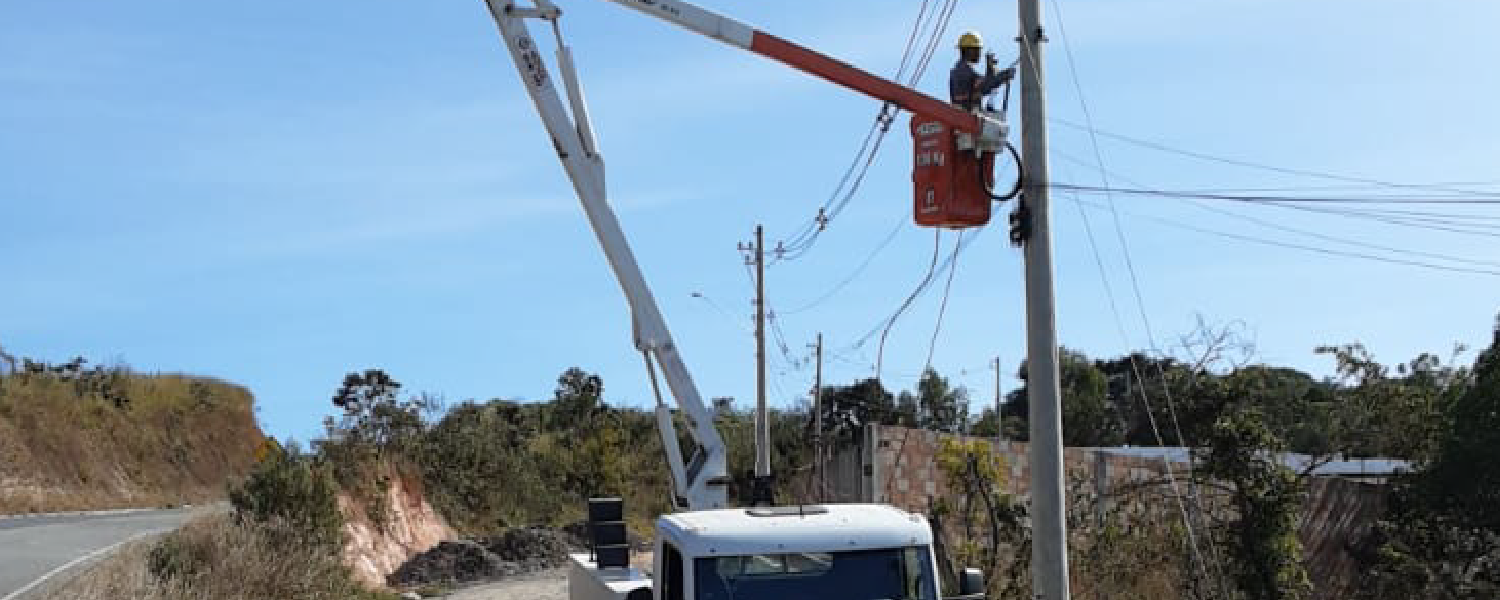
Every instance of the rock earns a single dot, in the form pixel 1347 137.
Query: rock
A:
pixel 411 596
pixel 452 562
pixel 536 548
pixel 515 552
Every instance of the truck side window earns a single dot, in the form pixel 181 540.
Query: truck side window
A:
pixel 671 588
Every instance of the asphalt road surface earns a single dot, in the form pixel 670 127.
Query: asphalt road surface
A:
pixel 35 551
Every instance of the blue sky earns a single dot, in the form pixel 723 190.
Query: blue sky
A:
pixel 278 192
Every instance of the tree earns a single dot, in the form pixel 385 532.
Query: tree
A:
pixel 1440 537
pixel 579 395
pixel 847 409
pixel 987 425
pixel 1154 398
pixel 1265 498
pixel 375 415
pixel 1384 413
pixel 1088 418
pixel 908 413
pixel 942 407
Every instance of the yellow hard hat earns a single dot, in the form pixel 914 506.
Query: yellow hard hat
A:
pixel 970 39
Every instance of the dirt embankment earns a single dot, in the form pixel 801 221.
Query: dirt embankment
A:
pixel 78 438
pixel 376 546
pixel 412 546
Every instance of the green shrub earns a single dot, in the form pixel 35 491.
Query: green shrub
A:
pixel 289 487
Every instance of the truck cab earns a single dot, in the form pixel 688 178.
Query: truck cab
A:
pixel 811 552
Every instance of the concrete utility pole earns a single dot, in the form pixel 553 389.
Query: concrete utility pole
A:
pixel 762 424
pixel 1049 553
pixel 819 459
pixel 999 402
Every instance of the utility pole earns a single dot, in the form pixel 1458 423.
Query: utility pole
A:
pixel 762 493
pixel 1049 553
pixel 999 401
pixel 819 462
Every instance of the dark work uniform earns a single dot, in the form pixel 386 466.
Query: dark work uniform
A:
pixel 966 87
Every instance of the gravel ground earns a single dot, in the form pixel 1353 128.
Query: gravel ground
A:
pixel 546 585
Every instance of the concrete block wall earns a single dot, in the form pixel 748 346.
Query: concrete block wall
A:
pixel 903 467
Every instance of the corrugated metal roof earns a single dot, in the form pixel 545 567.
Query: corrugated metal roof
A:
pixel 1371 467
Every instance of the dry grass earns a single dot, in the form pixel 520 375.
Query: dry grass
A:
pixel 214 558
pixel 63 446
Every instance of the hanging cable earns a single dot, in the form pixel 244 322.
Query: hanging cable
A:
pixel 1187 520
pixel 943 307
pixel 926 279
pixel 1300 231
pixel 1264 167
pixel 1476 199
pixel 942 267
pixel 805 236
pixel 870 257
pixel 1296 246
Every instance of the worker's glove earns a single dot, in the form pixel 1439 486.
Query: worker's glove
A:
pixel 1007 74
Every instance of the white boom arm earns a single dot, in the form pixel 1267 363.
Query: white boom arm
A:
pixel 701 483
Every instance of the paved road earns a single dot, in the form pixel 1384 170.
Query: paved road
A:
pixel 34 547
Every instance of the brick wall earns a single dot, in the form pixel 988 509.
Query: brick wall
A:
pixel 904 468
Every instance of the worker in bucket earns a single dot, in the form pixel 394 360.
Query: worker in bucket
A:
pixel 965 87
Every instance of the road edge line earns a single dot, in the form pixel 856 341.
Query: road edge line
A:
pixel 16 595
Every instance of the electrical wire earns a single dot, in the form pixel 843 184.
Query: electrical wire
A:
pixel 937 237
pixel 943 307
pixel 1300 231
pixel 882 324
pixel 1449 223
pixel 804 237
pixel 1340 240
pixel 1429 224
pixel 870 257
pixel 1264 167
pixel 1187 521
pixel 1478 199
pixel 1296 246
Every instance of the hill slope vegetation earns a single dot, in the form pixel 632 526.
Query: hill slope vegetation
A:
pixel 76 437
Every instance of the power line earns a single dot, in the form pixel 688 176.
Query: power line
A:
pixel 1300 231
pixel 802 241
pixel 921 288
pixel 1477 199
pixel 1341 240
pixel 943 308
pixel 1429 224
pixel 870 257
pixel 1254 165
pixel 926 279
pixel 1295 246
pixel 1446 223
pixel 1141 304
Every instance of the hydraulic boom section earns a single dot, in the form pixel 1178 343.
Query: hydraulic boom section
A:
pixel 701 483
pixel 953 150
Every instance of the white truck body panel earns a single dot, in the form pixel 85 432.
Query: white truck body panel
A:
pixel 586 581
pixel 843 527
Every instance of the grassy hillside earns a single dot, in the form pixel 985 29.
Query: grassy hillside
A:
pixel 77 437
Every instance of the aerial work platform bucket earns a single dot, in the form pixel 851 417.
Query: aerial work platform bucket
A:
pixel 951 181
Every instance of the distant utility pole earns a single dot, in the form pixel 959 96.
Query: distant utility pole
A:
pixel 757 257
pixel 1049 552
pixel 999 401
pixel 818 461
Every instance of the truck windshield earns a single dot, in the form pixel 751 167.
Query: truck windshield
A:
pixel 887 574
